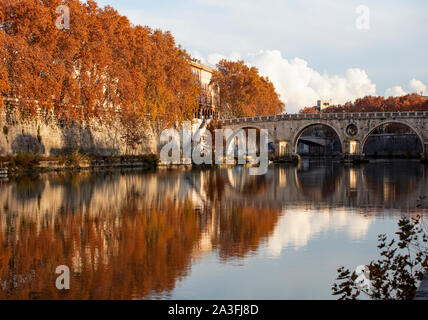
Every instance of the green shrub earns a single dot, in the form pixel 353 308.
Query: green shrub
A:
pixel 25 160
pixel 151 159
pixel 75 158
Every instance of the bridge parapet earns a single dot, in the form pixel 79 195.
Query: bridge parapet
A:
pixel 328 116
pixel 352 129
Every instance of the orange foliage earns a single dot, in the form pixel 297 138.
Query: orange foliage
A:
pixel 133 253
pixel 309 110
pixel 4 82
pixel 244 93
pixel 409 102
pixel 243 229
pixel 100 65
pixel 136 255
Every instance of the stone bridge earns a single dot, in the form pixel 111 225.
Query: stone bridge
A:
pixel 352 129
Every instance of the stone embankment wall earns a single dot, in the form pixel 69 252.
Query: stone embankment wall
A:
pixel 52 137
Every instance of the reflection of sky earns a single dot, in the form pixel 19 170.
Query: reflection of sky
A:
pixel 297 261
pixel 298 226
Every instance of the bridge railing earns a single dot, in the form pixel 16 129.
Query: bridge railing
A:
pixel 328 116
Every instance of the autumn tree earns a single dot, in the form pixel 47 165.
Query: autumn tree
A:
pixel 99 66
pixel 409 102
pixel 309 110
pixel 133 131
pixel 4 83
pixel 244 93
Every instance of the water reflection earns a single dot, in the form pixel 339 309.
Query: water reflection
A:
pixel 298 226
pixel 135 235
pixel 318 182
pixel 393 183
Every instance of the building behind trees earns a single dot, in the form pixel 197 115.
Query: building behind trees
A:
pixel 209 99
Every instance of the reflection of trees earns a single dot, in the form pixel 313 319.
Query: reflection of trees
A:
pixel 119 234
pixel 120 255
pixel 28 187
pixel 134 254
pixel 214 185
pixel 243 229
pixel 255 185
pixel 72 178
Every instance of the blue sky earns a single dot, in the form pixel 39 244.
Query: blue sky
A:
pixel 310 49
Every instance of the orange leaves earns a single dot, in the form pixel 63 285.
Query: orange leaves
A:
pixel 309 110
pixel 244 92
pixel 409 102
pixel 101 64
pixel 156 244
pixel 4 81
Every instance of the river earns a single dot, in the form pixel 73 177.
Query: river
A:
pixel 200 234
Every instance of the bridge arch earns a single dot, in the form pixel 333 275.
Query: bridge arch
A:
pixel 237 130
pixel 299 133
pixel 404 123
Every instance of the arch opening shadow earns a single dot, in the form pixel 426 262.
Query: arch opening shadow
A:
pixel 318 140
pixel 392 140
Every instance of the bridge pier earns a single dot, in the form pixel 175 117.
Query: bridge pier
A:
pixel 424 154
pixel 281 147
pixel 352 151
pixel 283 152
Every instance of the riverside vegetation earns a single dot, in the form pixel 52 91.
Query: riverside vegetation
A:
pixel 27 162
pixel 397 274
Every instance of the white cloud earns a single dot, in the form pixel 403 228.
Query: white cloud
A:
pixel 328 39
pixel 297 227
pixel 414 86
pixel 395 92
pixel 197 55
pixel 214 58
pixel 299 85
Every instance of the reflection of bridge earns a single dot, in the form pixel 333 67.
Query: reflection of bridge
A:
pixel 352 129
pixel 331 186
pixel 372 185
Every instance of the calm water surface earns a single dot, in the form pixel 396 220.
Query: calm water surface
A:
pixel 213 234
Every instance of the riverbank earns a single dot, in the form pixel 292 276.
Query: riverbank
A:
pixel 29 163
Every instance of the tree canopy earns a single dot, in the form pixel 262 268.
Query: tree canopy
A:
pixel 244 93
pixel 409 102
pixel 101 64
